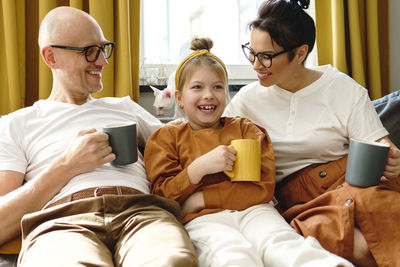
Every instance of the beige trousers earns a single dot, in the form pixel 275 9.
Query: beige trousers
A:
pixel 110 230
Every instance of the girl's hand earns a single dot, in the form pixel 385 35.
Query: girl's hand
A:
pixel 219 159
pixel 392 168
pixel 193 203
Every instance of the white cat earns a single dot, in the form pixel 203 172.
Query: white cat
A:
pixel 164 99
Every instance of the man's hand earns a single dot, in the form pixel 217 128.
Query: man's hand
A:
pixel 177 121
pixel 219 159
pixel 89 150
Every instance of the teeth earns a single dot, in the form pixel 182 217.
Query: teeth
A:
pixel 95 72
pixel 263 74
pixel 207 107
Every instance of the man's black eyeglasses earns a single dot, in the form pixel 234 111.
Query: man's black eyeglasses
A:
pixel 264 58
pixel 91 52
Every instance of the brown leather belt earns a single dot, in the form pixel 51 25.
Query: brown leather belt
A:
pixel 96 192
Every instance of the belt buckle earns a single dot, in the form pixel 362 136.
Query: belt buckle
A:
pixel 100 187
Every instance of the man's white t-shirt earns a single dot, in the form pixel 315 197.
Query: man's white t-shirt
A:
pixel 32 137
pixel 312 125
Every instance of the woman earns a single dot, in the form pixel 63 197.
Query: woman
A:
pixel 310 114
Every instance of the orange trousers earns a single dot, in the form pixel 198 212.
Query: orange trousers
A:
pixel 317 202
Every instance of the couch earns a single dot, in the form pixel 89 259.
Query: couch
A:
pixel 387 107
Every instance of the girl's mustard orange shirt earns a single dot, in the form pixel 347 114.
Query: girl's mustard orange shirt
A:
pixel 171 149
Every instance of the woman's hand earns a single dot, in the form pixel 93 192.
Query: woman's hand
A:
pixel 193 203
pixel 392 168
pixel 219 159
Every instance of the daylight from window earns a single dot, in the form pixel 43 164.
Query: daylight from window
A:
pixel 167 26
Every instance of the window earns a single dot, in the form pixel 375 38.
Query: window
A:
pixel 168 26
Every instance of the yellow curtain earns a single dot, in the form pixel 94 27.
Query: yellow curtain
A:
pixel 24 78
pixel 353 36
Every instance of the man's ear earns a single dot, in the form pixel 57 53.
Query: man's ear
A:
pixel 301 53
pixel 48 56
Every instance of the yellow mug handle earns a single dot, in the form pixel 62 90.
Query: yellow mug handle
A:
pixel 230 173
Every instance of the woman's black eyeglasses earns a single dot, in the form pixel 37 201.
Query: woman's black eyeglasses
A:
pixel 91 52
pixel 264 58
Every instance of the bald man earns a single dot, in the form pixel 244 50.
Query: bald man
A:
pixel 56 179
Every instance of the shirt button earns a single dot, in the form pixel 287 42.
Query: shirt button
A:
pixel 348 202
pixel 322 174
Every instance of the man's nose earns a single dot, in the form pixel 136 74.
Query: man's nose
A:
pixel 101 60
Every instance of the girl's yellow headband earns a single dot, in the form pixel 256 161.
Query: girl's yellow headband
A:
pixel 196 53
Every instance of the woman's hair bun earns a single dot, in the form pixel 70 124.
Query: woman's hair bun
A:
pixel 201 43
pixel 304 4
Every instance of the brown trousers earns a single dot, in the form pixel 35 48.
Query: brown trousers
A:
pixel 318 202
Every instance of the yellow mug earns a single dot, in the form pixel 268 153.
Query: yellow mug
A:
pixel 247 166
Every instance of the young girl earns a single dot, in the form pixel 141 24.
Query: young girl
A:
pixel 230 223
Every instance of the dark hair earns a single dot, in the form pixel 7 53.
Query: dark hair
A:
pixel 287 23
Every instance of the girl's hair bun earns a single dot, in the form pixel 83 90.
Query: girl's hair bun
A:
pixel 201 43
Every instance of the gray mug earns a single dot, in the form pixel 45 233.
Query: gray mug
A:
pixel 366 162
pixel 122 139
